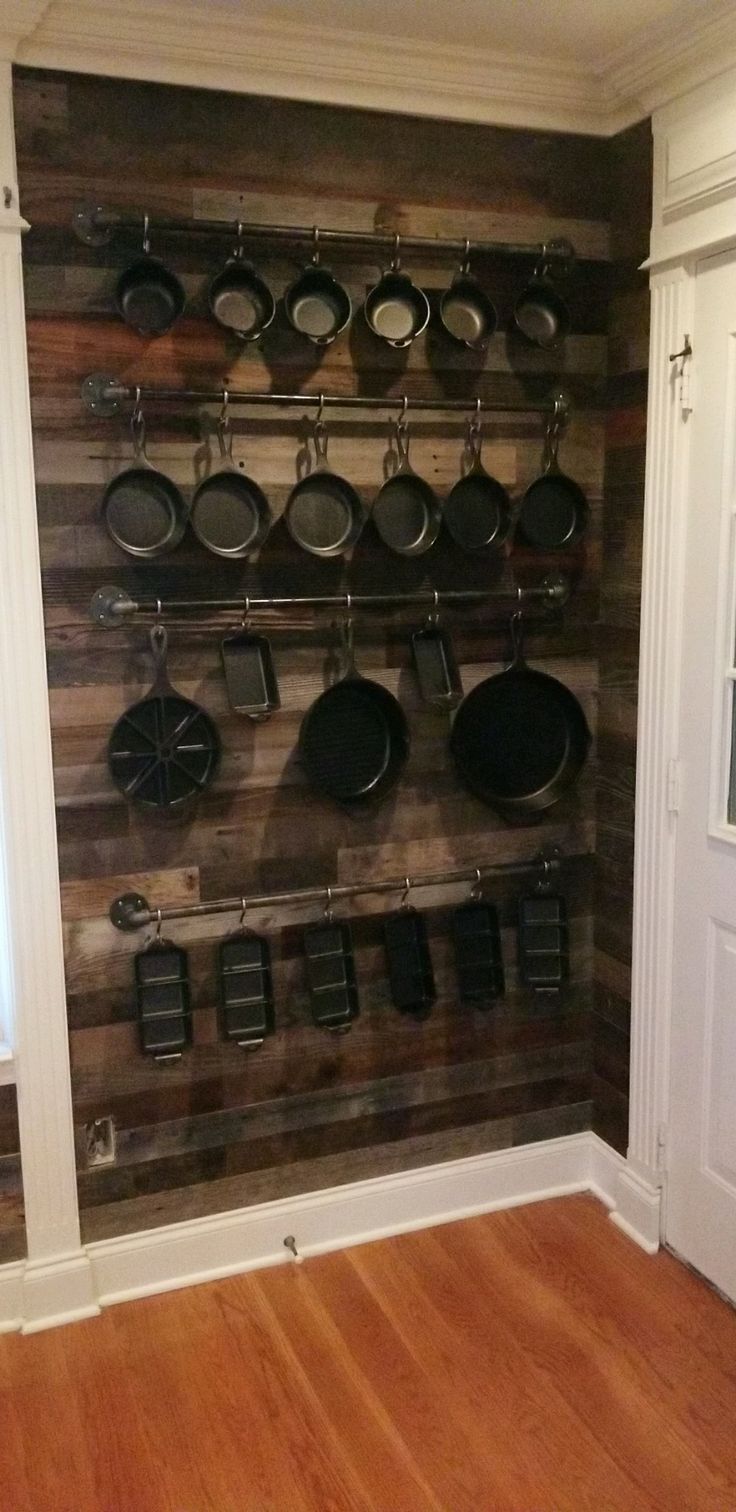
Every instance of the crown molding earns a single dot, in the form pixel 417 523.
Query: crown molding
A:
pixel 221 49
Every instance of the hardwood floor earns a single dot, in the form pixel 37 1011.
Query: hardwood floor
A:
pixel 528 1361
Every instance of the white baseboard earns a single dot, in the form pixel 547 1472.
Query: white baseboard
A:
pixel 36 1296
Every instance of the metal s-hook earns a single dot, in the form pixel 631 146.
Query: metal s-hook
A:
pixel 465 263
pixel 433 616
pixel 396 259
pixel 243 907
pixel 157 936
pixel 405 893
pixel 245 613
pixel 146 237
pixel 328 905
pixel 476 889
pixel 239 250
pixel 315 245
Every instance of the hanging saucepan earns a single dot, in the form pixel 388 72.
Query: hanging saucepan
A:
pixel 230 514
pixel 554 510
pixel 540 312
pixel 520 738
pixel 239 298
pixel 143 510
pixel 467 313
pixel 477 509
pixel 316 305
pixel 323 512
pixel 406 511
pixel 395 308
pixel 354 740
pixel 164 749
pixel 148 295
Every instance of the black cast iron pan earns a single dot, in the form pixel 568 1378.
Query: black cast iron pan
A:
pixel 354 740
pixel 554 510
pixel 324 513
pixel 477 509
pixel 164 749
pixel 142 508
pixel 520 738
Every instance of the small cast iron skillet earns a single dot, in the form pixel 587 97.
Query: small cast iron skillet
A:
pixel 477 509
pixel 324 513
pixel 406 511
pixel 554 510
pixel 520 739
pixel 230 513
pixel 354 740
pixel 142 509
pixel 467 313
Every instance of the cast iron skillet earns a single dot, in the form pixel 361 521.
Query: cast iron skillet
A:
pixel 477 509
pixel 406 510
pixel 324 513
pixel 142 508
pixel 554 510
pixel 354 740
pixel 520 738
pixel 230 513
pixel 148 296
pixel 164 749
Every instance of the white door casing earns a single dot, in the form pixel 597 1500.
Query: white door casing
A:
pixel 33 974
pixel 701 1188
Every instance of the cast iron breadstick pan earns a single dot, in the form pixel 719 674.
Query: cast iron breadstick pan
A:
pixel 520 738
pixel 354 740
pixel 143 510
pixel 323 512
pixel 164 749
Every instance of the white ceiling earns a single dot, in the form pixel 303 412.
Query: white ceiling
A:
pixel 584 32
pixel 591 66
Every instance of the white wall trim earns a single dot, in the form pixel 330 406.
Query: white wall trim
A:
pixel 216 48
pixel 32 985
pixel 662 608
pixel 204 1249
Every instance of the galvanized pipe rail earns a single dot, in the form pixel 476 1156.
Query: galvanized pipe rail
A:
pixel 111 606
pixel 132 911
pixel 95 225
pixel 105 395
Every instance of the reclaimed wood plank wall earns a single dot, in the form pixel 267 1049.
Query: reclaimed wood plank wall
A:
pixel 220 1129
pixel 628 360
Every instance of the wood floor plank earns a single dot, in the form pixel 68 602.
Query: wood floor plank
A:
pixel 532 1360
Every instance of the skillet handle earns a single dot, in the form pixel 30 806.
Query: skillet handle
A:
pixel 517 638
pixel 347 639
pixel 159 639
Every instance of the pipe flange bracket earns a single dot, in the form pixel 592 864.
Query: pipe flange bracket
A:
pixel 110 606
pixel 102 395
pixel 123 911
pixel 557 588
pixel 91 223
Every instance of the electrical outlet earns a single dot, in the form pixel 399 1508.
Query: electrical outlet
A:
pixel 100 1141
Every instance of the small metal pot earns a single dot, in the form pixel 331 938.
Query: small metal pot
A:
pixel 316 305
pixel 239 299
pixel 477 509
pixel 467 313
pixel 148 296
pixel 323 512
pixel 230 513
pixel 142 509
pixel 395 309
pixel 540 312
pixel 406 511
